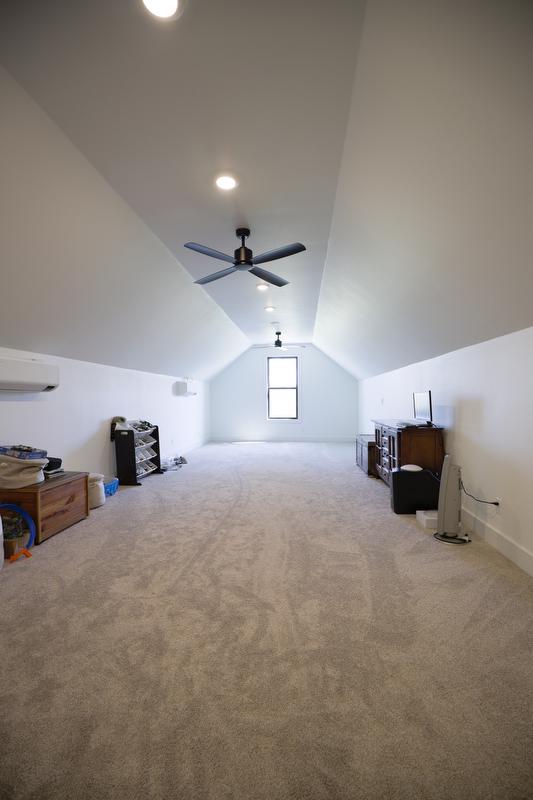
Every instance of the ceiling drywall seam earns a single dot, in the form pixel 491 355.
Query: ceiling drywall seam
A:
pixel 323 345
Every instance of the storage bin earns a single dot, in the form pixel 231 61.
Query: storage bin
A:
pixel 110 486
pixel 96 490
pixel 16 473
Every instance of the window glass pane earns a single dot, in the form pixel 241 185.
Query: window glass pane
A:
pixel 281 372
pixel 282 403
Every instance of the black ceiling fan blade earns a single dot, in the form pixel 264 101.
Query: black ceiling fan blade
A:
pixel 269 277
pixel 216 275
pixel 281 252
pixel 208 251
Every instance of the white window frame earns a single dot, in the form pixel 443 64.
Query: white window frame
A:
pixel 298 417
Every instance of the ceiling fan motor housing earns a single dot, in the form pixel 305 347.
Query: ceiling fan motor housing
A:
pixel 243 257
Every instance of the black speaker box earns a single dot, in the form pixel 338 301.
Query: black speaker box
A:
pixel 413 491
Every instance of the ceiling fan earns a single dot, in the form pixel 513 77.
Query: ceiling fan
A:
pixel 243 259
pixel 279 344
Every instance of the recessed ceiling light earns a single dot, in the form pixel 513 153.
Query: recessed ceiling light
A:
pixel 162 8
pixel 270 308
pixel 262 287
pixel 226 182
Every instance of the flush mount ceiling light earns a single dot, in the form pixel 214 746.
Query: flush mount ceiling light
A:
pixel 270 308
pixel 165 9
pixel 226 182
pixel 262 287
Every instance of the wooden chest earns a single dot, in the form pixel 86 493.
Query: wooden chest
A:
pixel 55 504
pixel 365 453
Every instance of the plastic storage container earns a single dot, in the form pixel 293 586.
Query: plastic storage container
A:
pixel 96 490
pixel 110 486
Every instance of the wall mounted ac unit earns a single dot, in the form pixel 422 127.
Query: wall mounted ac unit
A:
pixel 27 376
pixel 184 388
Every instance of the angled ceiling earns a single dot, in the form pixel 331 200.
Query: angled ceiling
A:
pixel 159 108
pixel 432 234
pixel 81 275
pixel 412 184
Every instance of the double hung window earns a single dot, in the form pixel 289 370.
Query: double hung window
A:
pixel 282 387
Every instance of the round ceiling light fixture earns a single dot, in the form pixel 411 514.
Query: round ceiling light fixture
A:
pixel 270 308
pixel 262 287
pixel 165 9
pixel 226 182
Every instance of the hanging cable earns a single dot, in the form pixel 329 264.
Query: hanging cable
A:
pixel 487 502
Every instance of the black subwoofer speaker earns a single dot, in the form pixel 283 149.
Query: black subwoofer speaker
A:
pixel 413 491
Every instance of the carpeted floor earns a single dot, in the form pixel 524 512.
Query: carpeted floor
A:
pixel 261 626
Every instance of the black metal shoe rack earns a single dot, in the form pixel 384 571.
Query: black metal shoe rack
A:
pixel 132 449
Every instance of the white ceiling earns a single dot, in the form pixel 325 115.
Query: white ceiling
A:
pixel 159 108
pixel 413 184
pixel 81 275
pixel 432 234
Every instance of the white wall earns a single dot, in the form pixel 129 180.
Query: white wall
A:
pixel 73 421
pixel 327 398
pixel 483 395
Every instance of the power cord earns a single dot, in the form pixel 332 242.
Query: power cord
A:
pixel 487 502
pixel 477 499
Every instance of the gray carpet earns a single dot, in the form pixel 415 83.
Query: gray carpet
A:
pixel 261 626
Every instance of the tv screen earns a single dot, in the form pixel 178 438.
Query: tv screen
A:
pixel 422 406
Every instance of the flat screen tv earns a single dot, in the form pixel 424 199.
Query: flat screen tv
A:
pixel 422 406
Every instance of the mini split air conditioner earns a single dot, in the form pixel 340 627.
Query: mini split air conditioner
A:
pixel 184 388
pixel 27 376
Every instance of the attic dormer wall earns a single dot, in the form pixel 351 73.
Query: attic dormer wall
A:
pixel 327 398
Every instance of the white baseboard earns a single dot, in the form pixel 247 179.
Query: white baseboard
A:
pixel 522 557
pixel 282 439
pixel 194 445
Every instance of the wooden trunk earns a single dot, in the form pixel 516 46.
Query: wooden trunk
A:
pixel 55 504
pixel 365 454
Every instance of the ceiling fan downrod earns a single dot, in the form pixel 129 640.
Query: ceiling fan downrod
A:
pixel 243 255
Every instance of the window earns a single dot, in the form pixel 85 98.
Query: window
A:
pixel 282 377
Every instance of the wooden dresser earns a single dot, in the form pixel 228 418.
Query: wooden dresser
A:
pixel 55 504
pixel 399 443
